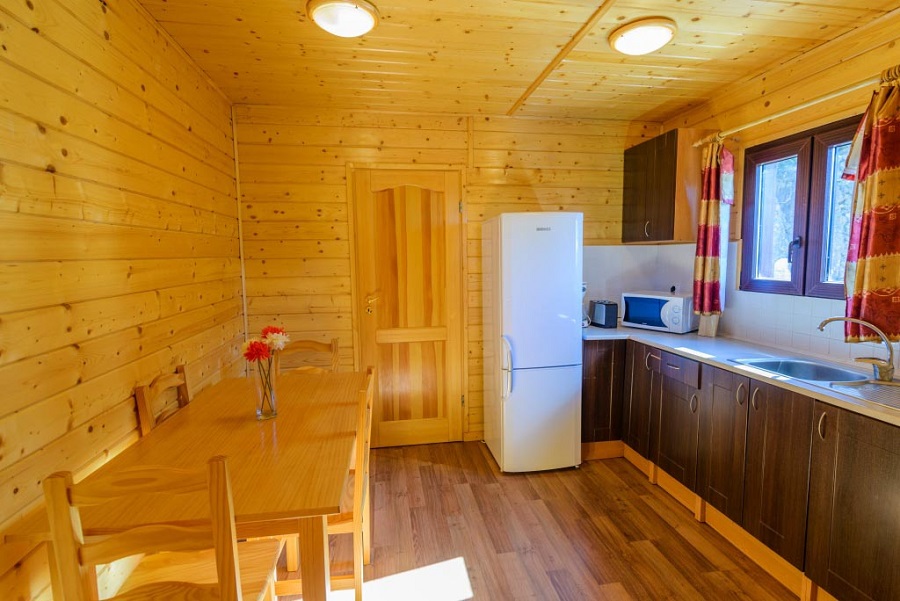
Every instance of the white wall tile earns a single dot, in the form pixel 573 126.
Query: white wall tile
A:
pixel 782 321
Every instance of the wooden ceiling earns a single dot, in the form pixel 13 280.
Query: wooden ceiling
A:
pixel 498 57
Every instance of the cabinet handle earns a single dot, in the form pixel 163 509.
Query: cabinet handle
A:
pixel 821 427
pixel 647 361
pixel 738 396
pixel 694 403
pixel 753 400
pixel 673 366
pixel 647 229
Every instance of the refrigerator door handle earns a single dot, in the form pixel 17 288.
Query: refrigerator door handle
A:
pixel 506 368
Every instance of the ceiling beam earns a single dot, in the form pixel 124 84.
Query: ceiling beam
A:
pixel 562 54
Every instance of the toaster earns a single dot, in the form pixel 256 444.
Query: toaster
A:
pixel 604 314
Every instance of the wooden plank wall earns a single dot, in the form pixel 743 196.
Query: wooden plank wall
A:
pixel 119 249
pixel 296 209
pixel 843 62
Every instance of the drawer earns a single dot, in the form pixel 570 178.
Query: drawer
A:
pixel 681 369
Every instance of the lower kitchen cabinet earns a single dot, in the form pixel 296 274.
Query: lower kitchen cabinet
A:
pixel 776 481
pixel 674 428
pixel 853 546
pixel 723 437
pixel 643 386
pixel 601 390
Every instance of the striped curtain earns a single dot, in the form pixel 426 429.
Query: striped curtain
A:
pixel 712 232
pixel 872 281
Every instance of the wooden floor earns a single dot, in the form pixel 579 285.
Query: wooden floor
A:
pixel 597 532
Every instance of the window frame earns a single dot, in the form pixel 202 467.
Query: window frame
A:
pixel 811 149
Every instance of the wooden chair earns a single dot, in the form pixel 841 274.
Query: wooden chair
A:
pixel 355 517
pixel 311 355
pixel 202 562
pixel 145 397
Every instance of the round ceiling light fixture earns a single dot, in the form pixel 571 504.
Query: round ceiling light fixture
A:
pixel 344 18
pixel 643 36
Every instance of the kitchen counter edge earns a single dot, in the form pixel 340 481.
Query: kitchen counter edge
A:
pixel 720 352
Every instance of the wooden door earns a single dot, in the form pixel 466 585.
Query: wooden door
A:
pixel 601 390
pixel 776 483
pixel 678 419
pixel 409 301
pixel 661 200
pixel 853 546
pixel 636 188
pixel 644 385
pixel 723 437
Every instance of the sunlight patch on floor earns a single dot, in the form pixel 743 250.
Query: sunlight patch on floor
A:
pixel 444 581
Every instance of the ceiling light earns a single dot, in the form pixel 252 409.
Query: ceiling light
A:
pixel 643 36
pixel 344 18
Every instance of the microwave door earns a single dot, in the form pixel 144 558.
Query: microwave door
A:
pixel 644 311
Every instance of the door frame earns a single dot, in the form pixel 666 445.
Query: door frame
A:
pixel 458 430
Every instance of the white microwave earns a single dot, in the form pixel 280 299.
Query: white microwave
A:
pixel 661 311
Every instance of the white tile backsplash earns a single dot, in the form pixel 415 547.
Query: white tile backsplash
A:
pixel 787 322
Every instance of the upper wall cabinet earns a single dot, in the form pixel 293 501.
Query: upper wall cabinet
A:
pixel 661 193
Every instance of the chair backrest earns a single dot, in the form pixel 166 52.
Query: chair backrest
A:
pixel 77 558
pixel 309 356
pixel 145 397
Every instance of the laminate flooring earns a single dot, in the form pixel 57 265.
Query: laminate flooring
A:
pixel 598 532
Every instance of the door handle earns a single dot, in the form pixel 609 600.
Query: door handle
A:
pixel 647 229
pixel 820 428
pixel 695 403
pixel 738 396
pixel 647 361
pixel 753 400
pixel 796 243
pixel 506 368
pixel 371 299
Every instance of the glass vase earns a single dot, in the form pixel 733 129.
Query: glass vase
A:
pixel 266 399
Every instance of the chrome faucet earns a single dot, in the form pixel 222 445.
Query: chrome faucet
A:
pixel 884 369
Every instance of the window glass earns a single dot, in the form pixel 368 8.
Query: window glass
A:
pixel 798 212
pixel 775 202
pixel 838 200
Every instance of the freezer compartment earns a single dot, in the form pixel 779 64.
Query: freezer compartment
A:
pixel 541 420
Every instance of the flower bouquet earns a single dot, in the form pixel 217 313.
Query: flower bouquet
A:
pixel 263 352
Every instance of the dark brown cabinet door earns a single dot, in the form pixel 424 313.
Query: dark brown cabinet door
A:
pixel 644 386
pixel 678 420
pixel 661 199
pixel 853 547
pixel 637 173
pixel 601 391
pixel 723 436
pixel 649 184
pixel 776 483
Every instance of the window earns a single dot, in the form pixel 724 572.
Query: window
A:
pixel 797 213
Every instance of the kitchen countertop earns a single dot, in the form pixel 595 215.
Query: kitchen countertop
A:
pixel 721 352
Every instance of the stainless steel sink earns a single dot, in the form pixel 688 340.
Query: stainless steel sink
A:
pixel 803 369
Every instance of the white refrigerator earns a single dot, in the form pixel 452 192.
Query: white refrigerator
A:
pixel 531 265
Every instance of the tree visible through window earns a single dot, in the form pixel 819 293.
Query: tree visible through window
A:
pixel 838 214
pixel 797 213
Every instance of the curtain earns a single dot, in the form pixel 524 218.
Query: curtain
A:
pixel 872 280
pixel 712 231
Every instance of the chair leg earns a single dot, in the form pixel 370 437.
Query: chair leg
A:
pixel 292 553
pixel 367 532
pixel 358 561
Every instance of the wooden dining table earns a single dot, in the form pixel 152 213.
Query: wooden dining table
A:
pixel 287 473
